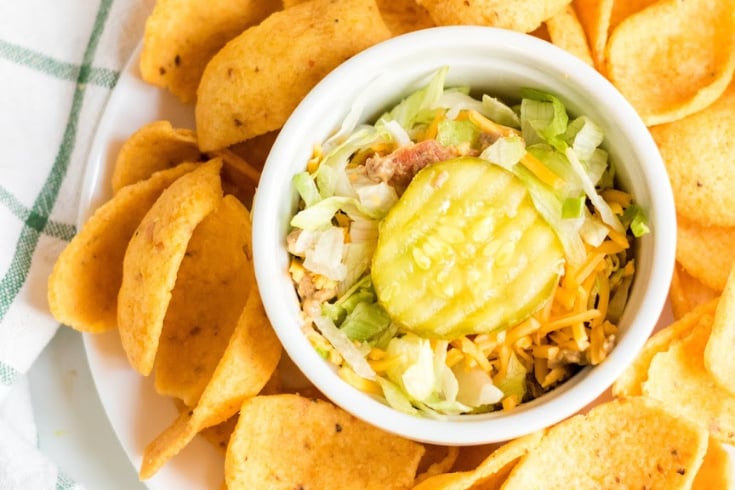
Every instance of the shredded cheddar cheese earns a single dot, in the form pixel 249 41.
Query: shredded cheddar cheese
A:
pixel 433 128
pixel 488 126
pixel 362 384
pixel 316 159
pixel 544 173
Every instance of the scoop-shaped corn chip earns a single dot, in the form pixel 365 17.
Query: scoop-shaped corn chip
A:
pixel 716 470
pixel 435 461
pixel 630 382
pixel 622 9
pixel 470 457
pixel 252 85
pixel 542 32
pixel 400 16
pixel 86 278
pixel 217 435
pixel 491 472
pixel 153 257
pixel 256 149
pixel 246 366
pixel 718 356
pixel 153 147
pixel 517 15
pixel 212 286
pixel 692 149
pixel 239 177
pixel 673 58
pixel 594 15
pixel 288 441
pixel 181 36
pixel 567 32
pixel 679 379
pixel 706 252
pixel 624 443
pixel 687 292
pixel 403 16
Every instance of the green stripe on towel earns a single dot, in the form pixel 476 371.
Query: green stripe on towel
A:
pixel 102 77
pixel 55 229
pixel 15 277
pixel 63 482
pixel 8 374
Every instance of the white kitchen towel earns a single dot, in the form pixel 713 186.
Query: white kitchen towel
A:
pixel 59 61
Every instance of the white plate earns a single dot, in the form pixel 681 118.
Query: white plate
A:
pixel 136 413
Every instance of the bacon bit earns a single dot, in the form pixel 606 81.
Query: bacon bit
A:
pixel 399 167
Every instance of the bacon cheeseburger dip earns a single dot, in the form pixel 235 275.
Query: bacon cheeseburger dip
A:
pixel 463 254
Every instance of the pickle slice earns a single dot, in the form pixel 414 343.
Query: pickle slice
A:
pixel 464 251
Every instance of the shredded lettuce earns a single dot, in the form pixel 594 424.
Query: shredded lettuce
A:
pixel 357 313
pixel 607 215
pixel 476 387
pixel 322 251
pixel 408 110
pixel 455 101
pixel 377 199
pixel 636 219
pixel 324 254
pixel 421 378
pixel 361 290
pixel 330 177
pixel 352 119
pixel 593 231
pixel 573 207
pixel 320 215
pixel 513 381
pixel 499 112
pixel 446 385
pixel 506 151
pixel 558 163
pixel 356 258
pixel 306 187
pixel 543 118
pixel 597 166
pixel 457 133
pixel 413 370
pixel 584 136
pixel 396 397
pixel 365 322
pixel 399 134
pixel 344 346
pixel 439 408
